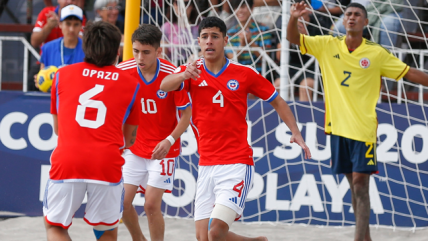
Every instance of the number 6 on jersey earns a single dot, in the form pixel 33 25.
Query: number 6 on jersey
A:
pixel 85 101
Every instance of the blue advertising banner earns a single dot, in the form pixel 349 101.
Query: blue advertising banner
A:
pixel 286 187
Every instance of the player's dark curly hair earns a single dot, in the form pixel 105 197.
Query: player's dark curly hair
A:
pixel 211 22
pixel 148 34
pixel 357 5
pixel 101 41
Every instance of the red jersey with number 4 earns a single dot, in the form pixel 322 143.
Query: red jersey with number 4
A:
pixel 92 104
pixel 159 114
pixel 219 107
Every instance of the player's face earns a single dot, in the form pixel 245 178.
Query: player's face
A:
pixel 354 20
pixel 145 55
pixel 70 28
pixel 212 43
pixel 243 13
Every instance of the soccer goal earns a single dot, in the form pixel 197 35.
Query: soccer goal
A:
pixel 287 188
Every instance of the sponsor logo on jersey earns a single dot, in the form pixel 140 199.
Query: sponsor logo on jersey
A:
pixel 161 94
pixel 364 63
pixel 234 199
pixel 337 56
pixel 203 83
pixel 370 163
pixel 233 84
pixel 167 180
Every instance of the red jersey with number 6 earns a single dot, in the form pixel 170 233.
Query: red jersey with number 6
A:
pixel 219 107
pixel 159 109
pixel 92 104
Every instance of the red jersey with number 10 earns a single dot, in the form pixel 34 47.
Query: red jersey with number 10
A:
pixel 92 104
pixel 219 107
pixel 159 114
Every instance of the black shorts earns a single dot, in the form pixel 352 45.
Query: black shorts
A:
pixel 349 156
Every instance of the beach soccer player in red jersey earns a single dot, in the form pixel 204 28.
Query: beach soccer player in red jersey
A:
pixel 96 113
pixel 218 89
pixel 150 162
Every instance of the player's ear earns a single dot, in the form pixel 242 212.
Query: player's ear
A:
pixel 366 21
pixel 226 39
pixel 159 52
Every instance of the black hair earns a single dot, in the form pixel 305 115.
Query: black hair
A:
pixel 235 3
pixel 101 41
pixel 147 34
pixel 213 22
pixel 357 5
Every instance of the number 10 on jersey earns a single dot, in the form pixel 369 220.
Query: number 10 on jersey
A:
pixel 148 106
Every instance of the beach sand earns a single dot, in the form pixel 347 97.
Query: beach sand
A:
pixel 32 228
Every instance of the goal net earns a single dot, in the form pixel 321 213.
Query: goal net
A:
pixel 287 188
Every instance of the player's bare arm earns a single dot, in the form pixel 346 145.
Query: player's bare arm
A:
pixel 287 116
pixel 417 76
pixel 163 147
pixel 173 81
pixel 55 123
pixel 130 134
pixel 296 11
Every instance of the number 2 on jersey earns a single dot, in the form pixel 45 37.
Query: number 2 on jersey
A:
pixel 347 77
pixel 218 99
pixel 86 102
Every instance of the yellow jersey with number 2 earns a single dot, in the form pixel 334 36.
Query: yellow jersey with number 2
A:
pixel 352 83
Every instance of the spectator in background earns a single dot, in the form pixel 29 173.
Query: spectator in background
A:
pixel 221 9
pixel 46 28
pixel 152 12
pixel 328 11
pixel 108 11
pixel 384 21
pixel 296 61
pixel 79 3
pixel 68 49
pixel 174 33
pixel 247 33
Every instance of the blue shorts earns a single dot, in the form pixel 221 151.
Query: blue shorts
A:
pixel 349 156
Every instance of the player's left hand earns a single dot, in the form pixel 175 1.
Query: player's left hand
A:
pixel 298 139
pixel 161 149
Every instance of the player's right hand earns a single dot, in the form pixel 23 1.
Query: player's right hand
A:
pixel 298 9
pixel 192 72
pixel 298 139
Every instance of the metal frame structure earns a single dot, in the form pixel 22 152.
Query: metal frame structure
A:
pixel 27 47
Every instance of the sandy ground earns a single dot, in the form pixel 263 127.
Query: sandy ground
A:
pixel 26 228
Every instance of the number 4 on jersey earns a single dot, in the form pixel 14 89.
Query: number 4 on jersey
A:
pixel 218 99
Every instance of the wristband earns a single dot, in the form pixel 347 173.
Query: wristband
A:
pixel 170 139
